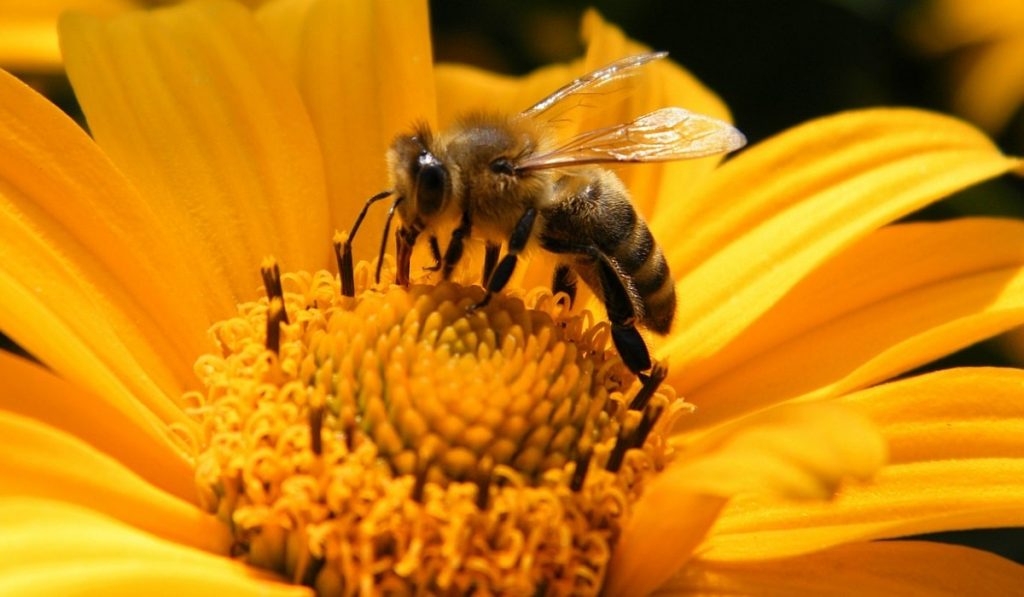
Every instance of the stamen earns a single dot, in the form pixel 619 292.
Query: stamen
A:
pixel 276 315
pixel 343 255
pixel 272 281
pixel 579 473
pixel 397 444
pixel 316 424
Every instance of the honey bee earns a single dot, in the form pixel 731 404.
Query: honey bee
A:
pixel 503 179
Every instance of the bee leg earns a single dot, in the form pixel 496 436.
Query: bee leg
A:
pixel 507 265
pixel 453 253
pixel 490 260
pixel 564 280
pixel 405 240
pixel 435 252
pixel 649 383
pixel 620 300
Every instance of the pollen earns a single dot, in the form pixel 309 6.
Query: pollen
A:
pixel 396 442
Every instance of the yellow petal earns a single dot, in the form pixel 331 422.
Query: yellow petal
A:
pixel 899 298
pixel 52 548
pixel 465 89
pixel 195 107
pixel 365 73
pixel 952 414
pixel 946 24
pixel 770 216
pixel 28 30
pixel 884 568
pixel 801 451
pixel 284 21
pixel 643 559
pixel 83 288
pixel 957 464
pixel 40 461
pixel 34 392
pixel 989 88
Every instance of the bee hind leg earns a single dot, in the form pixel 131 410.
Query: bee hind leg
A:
pixel 564 280
pixel 622 303
pixel 516 243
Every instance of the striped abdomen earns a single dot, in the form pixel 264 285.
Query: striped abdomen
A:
pixel 597 209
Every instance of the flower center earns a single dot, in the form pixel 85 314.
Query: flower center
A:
pixel 394 442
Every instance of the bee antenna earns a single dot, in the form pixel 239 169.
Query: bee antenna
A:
pixel 343 247
pixel 384 238
pixel 362 214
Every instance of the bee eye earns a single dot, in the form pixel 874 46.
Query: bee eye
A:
pixel 431 184
pixel 503 166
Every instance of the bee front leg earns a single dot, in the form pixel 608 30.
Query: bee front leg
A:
pixel 490 260
pixel 453 253
pixel 405 240
pixel 435 252
pixel 516 243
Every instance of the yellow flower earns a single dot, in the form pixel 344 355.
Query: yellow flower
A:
pixel 393 442
pixel 986 40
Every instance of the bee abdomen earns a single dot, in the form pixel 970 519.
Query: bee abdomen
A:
pixel 643 260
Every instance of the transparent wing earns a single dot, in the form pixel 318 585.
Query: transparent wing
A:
pixel 605 81
pixel 662 135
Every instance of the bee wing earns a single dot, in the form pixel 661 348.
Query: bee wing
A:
pixel 662 135
pixel 606 80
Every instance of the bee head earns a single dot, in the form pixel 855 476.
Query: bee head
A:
pixel 419 175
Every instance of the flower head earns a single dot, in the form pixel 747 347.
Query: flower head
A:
pixel 203 431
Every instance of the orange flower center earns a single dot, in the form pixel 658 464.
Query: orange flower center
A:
pixel 394 442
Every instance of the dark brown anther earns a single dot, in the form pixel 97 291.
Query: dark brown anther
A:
pixel 483 494
pixel 316 424
pixel 421 482
pixel 346 271
pixel 649 384
pixel 651 415
pixel 542 589
pixel 275 317
pixel 579 475
pixel 272 282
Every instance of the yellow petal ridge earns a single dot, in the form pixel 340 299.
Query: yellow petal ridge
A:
pixel 956 464
pixel 884 568
pixel 799 452
pixel 364 70
pixel 898 298
pixel 781 208
pixel 57 548
pixel 34 392
pixel 83 291
pixel 41 461
pixel 196 108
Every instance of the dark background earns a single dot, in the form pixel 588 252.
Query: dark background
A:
pixel 776 63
